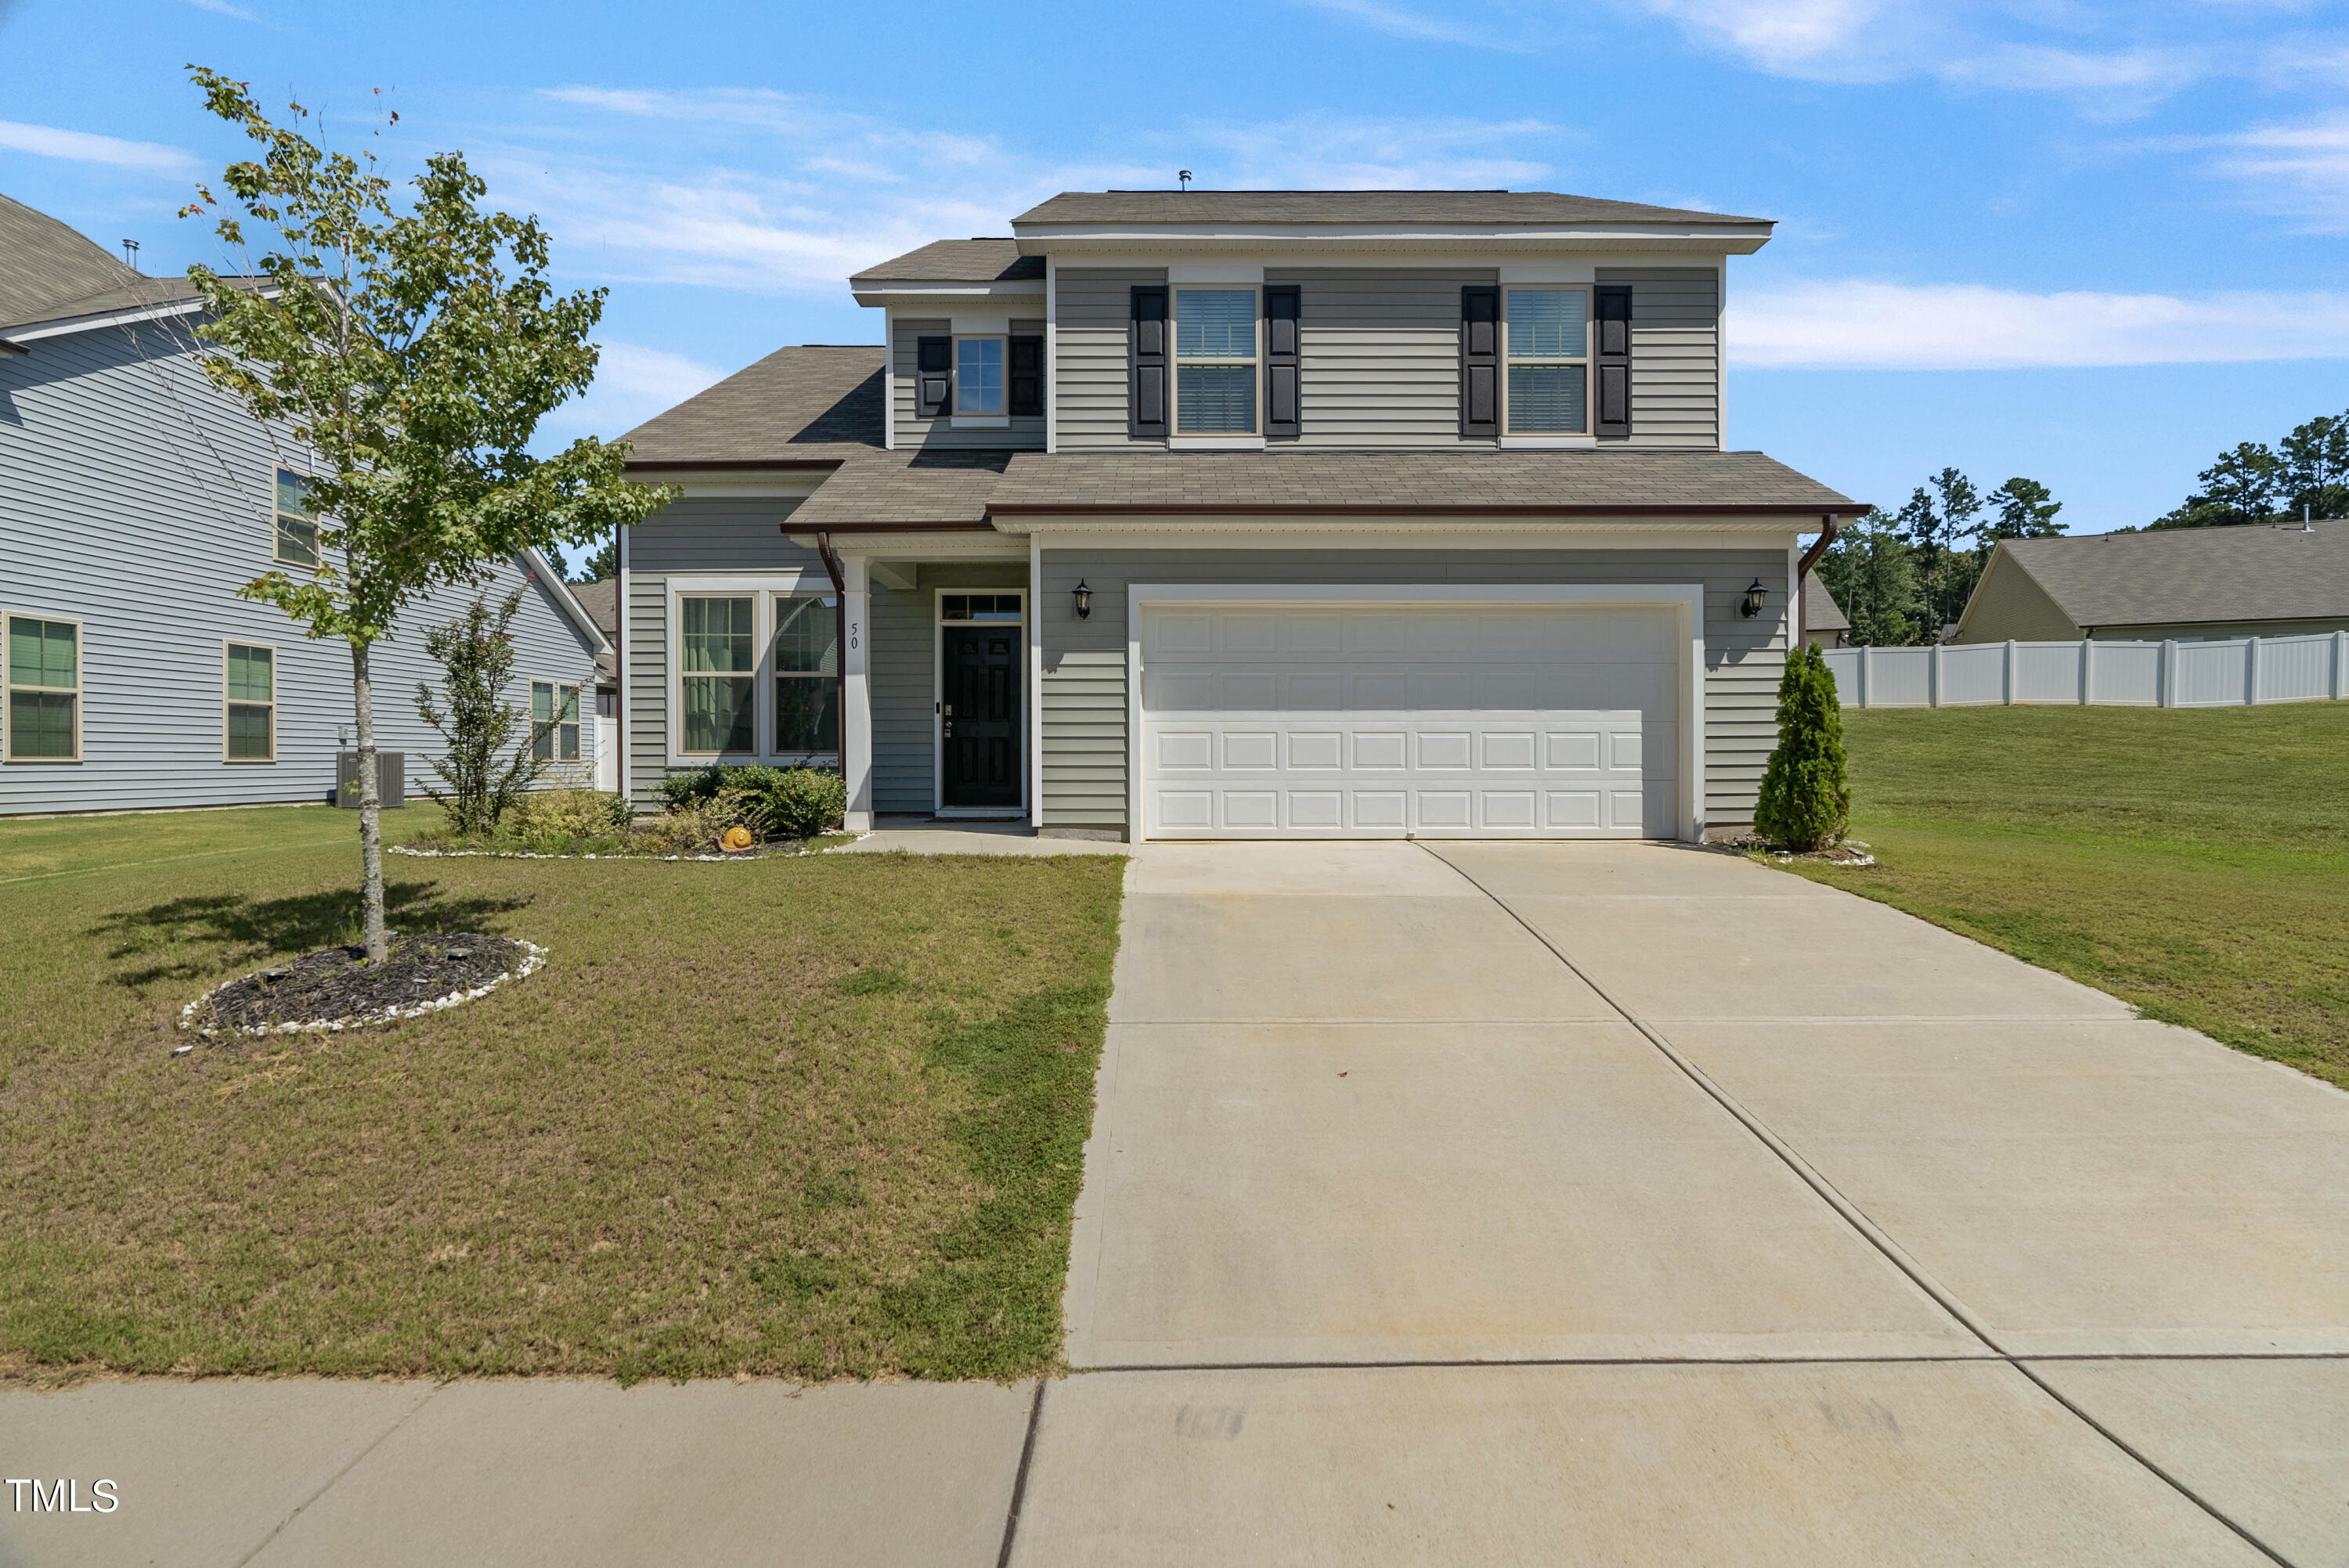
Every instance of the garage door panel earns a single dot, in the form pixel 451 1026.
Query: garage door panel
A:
pixel 1270 721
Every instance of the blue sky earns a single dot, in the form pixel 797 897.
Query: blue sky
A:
pixel 2088 243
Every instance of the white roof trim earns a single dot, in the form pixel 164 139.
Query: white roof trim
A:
pixel 573 610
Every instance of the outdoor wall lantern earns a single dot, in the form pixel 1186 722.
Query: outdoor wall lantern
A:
pixel 1751 604
pixel 1084 598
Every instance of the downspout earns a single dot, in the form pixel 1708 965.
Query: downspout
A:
pixel 839 645
pixel 1803 571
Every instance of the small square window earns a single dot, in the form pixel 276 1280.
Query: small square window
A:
pixel 978 376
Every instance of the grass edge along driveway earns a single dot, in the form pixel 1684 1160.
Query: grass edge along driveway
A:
pixel 816 1116
pixel 2193 862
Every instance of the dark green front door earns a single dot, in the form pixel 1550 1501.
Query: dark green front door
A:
pixel 980 718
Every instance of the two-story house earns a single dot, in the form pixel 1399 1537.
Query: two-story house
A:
pixel 136 498
pixel 1241 514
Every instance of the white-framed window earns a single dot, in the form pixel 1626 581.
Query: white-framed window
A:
pixel 1217 356
pixel 806 648
pixel 43 683
pixel 296 537
pixel 555 721
pixel 718 690
pixel 248 702
pixel 1548 383
pixel 978 384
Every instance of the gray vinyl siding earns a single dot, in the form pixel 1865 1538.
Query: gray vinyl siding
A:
pixel 1024 434
pixel 904 679
pixel 1675 354
pixel 136 501
pixel 1381 354
pixel 717 537
pixel 1092 305
pixel 1084 676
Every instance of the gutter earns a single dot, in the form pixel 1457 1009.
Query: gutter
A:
pixel 840 641
pixel 1819 547
pixel 1243 507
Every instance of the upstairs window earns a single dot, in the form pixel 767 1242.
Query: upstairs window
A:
pixel 1548 339
pixel 978 376
pixel 553 721
pixel 1214 362
pixel 719 671
pixel 44 673
pixel 249 713
pixel 297 524
pixel 807 673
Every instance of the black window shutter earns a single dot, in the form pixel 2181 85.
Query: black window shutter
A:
pixel 1146 358
pixel 1026 380
pixel 1613 311
pixel 1283 302
pixel 1480 360
pixel 933 377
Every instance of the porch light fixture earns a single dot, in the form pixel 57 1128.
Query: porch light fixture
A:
pixel 1750 605
pixel 1084 598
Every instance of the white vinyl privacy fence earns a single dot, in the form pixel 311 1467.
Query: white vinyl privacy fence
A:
pixel 2142 675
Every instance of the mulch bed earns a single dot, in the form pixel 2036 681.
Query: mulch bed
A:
pixel 333 989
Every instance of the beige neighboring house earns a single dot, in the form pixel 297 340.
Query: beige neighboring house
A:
pixel 2194 585
pixel 1825 625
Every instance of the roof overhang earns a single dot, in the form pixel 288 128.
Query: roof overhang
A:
pixel 1062 241
pixel 1010 516
pixel 760 478
pixel 872 293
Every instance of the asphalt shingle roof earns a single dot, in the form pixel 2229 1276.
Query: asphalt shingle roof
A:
pixel 1820 611
pixel 977 261
pixel 936 488
pixel 1354 207
pixel 1640 480
pixel 2185 574
pixel 815 404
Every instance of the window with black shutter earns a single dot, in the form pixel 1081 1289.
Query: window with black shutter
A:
pixel 1282 306
pixel 933 377
pixel 1612 317
pixel 1480 360
pixel 1146 354
pixel 1027 377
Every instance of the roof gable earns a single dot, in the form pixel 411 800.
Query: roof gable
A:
pixel 983 260
pixel 2168 576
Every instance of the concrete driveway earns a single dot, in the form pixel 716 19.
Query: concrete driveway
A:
pixel 1630 1203
pixel 1606 1203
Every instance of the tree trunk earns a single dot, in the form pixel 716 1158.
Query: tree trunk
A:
pixel 378 945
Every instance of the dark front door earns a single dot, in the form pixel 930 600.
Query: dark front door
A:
pixel 979 721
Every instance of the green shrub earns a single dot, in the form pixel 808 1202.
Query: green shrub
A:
pixel 1805 793
pixel 567 814
pixel 777 802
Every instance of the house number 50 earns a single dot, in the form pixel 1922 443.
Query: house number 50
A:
pixel 855 629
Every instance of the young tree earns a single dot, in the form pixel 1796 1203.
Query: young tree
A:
pixel 2022 509
pixel 1872 573
pixel 1806 797
pixel 476 656
pixel 410 354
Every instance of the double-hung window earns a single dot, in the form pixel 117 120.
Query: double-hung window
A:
pixel 1216 360
pixel 718 673
pixel 298 523
pixel 807 675
pixel 44 690
pixel 553 721
pixel 978 376
pixel 1548 341
pixel 249 703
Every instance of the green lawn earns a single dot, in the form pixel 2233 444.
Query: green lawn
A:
pixel 2194 861
pixel 813 1117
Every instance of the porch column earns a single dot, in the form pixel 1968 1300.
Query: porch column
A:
pixel 856 765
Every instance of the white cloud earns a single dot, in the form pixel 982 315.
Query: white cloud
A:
pixel 2295 171
pixel 1405 23
pixel 632 384
pixel 1838 39
pixel 82 147
pixel 1863 325
pixel 222 8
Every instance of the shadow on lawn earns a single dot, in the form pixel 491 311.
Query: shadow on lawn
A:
pixel 253 930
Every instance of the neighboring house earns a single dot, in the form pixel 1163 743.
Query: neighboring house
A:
pixel 135 500
pixel 1825 625
pixel 2195 585
pixel 602 602
pixel 1229 514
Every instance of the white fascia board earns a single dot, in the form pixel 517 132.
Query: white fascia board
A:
pixel 68 325
pixel 958 545
pixel 1552 263
pixel 1742 239
pixel 573 610
pixel 895 294
pixel 1242 532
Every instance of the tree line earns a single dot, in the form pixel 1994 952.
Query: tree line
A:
pixel 1901 576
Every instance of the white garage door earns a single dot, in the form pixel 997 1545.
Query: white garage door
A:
pixel 1376 721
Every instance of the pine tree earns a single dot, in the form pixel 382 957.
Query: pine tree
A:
pixel 1806 790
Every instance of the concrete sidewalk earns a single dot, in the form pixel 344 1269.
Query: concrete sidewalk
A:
pixel 1614 1203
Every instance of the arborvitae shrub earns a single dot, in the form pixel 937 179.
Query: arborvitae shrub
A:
pixel 1805 792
